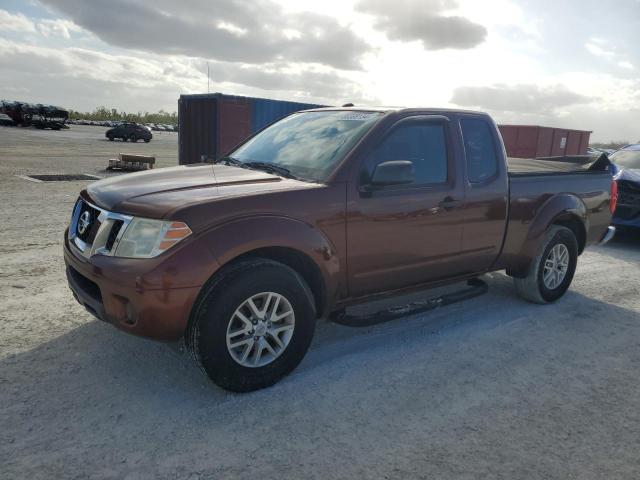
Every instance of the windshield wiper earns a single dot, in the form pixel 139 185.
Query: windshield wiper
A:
pixel 231 161
pixel 271 168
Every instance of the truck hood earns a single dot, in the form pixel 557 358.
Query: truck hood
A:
pixel 155 193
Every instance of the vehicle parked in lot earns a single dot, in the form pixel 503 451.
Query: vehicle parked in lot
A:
pixel 323 209
pixel 129 131
pixel 626 166
pixel 5 120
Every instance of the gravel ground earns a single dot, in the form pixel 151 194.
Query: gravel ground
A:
pixel 490 388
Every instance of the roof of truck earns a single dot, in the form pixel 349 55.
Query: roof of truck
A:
pixel 387 109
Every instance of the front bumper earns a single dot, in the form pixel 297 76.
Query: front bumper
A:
pixel 609 234
pixel 116 291
pixel 633 222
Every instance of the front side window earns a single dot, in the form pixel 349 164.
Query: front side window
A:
pixel 308 144
pixel 424 144
pixel 480 150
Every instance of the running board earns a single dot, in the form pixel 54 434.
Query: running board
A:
pixel 475 288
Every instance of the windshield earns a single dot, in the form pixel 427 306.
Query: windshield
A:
pixel 626 158
pixel 307 144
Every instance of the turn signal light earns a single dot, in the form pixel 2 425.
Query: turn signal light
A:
pixel 176 232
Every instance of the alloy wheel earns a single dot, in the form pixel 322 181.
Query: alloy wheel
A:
pixel 260 329
pixel 555 266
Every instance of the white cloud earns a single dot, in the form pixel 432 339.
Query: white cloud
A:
pixel 141 55
pixel 128 82
pixel 57 28
pixel 604 50
pixel 524 98
pixel 598 50
pixel 10 22
pixel 428 21
pixel 224 30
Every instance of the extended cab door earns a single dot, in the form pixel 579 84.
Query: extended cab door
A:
pixel 486 192
pixel 404 234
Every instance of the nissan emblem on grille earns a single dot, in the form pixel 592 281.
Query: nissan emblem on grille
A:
pixel 84 221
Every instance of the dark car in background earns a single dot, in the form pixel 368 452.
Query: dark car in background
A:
pixel 129 131
pixel 626 167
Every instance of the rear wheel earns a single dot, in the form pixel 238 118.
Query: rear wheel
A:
pixel 253 325
pixel 147 140
pixel 110 137
pixel 133 138
pixel 552 270
pixel 124 138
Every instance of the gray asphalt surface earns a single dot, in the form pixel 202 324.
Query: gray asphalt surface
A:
pixel 490 388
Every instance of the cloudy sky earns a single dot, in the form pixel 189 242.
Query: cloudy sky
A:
pixel 571 63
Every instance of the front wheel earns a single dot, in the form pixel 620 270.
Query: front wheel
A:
pixel 253 325
pixel 147 140
pixel 552 270
pixel 133 138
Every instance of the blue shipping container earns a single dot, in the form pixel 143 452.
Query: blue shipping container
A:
pixel 265 111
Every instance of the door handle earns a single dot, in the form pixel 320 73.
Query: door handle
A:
pixel 450 203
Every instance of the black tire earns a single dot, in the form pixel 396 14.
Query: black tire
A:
pixel 206 337
pixel 532 287
pixel 133 138
pixel 124 138
pixel 147 140
pixel 110 137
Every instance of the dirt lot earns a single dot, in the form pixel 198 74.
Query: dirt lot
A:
pixel 490 388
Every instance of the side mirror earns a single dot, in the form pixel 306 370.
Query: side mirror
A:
pixel 393 172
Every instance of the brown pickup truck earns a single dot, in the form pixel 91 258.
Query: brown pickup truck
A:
pixel 324 209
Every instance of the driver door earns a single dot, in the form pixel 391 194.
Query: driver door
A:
pixel 406 234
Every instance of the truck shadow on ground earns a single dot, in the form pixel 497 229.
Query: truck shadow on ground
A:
pixel 96 363
pixel 114 392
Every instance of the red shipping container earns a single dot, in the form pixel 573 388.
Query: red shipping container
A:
pixel 533 141
pixel 234 122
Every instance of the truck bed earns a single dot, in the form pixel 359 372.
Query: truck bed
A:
pixel 557 165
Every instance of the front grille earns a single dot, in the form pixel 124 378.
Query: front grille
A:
pixel 113 234
pixel 88 224
pixel 94 230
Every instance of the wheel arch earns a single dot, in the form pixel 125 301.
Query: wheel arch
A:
pixel 574 223
pixel 291 242
pixel 565 210
pixel 298 261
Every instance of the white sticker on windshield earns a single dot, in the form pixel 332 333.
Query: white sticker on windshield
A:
pixel 358 116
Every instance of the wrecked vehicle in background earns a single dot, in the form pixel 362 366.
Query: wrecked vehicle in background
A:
pixel 626 166
pixel 37 115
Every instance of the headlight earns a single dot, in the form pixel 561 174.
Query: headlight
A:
pixel 146 238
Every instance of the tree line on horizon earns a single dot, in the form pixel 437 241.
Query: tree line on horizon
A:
pixel 103 113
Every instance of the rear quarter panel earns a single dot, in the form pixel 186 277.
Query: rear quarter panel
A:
pixel 538 201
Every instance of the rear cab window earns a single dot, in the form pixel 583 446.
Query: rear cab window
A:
pixel 480 150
